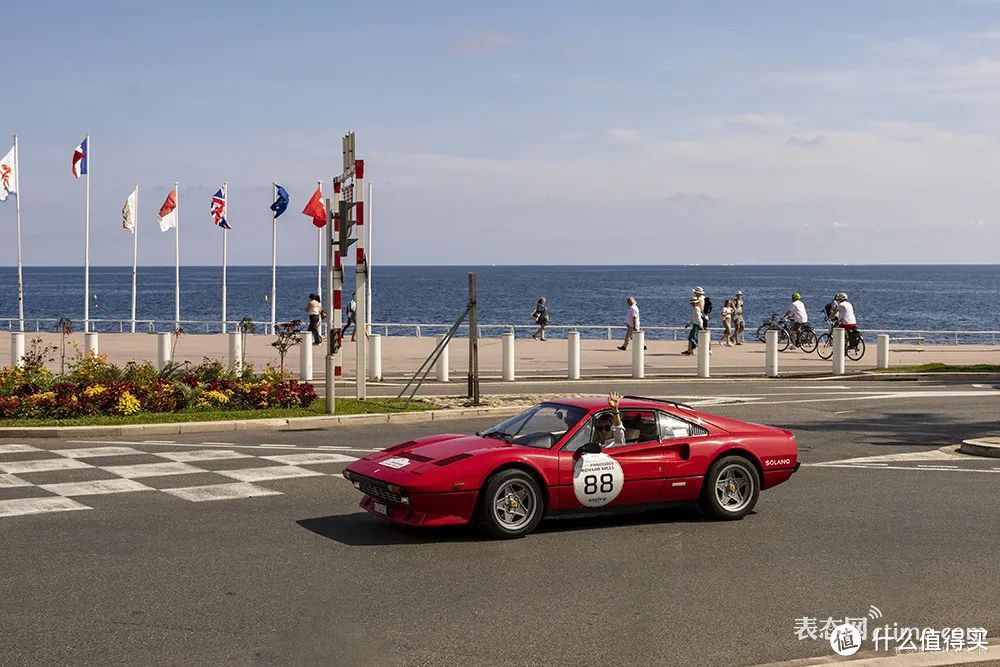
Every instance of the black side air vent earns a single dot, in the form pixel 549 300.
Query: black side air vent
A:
pixel 398 447
pixel 416 457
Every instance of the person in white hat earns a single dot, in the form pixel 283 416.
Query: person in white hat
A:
pixel 738 324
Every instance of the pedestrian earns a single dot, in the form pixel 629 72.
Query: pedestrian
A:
pixel 315 310
pixel 728 336
pixel 697 318
pixel 541 317
pixel 352 313
pixel 738 323
pixel 631 322
pixel 705 303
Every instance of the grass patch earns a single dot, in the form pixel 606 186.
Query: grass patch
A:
pixel 344 406
pixel 944 368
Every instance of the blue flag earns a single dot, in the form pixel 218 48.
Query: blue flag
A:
pixel 280 203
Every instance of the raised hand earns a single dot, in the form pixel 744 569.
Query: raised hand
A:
pixel 613 399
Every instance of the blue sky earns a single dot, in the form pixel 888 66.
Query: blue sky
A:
pixel 559 132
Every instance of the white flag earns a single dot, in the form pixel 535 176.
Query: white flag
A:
pixel 128 211
pixel 8 175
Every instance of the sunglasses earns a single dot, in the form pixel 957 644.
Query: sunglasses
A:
pixel 604 427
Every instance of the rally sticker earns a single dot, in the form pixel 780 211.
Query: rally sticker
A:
pixel 396 463
pixel 597 479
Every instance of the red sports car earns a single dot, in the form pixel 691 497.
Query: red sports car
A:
pixel 547 461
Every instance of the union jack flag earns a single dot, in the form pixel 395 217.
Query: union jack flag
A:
pixel 219 209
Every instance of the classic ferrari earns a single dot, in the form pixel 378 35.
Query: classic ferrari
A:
pixel 558 458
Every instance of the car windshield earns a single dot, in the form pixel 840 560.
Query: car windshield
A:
pixel 541 426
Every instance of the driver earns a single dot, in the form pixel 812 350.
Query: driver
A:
pixel 608 430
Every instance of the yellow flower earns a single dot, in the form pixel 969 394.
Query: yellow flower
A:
pixel 93 391
pixel 212 398
pixel 128 404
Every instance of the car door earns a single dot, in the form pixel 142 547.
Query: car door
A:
pixel 683 481
pixel 629 474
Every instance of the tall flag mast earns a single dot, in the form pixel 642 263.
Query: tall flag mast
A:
pixel 219 213
pixel 280 196
pixel 9 186
pixel 130 223
pixel 81 164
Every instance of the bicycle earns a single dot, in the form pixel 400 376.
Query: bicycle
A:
pixel 854 350
pixel 806 338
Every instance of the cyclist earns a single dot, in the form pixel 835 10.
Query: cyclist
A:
pixel 797 313
pixel 846 319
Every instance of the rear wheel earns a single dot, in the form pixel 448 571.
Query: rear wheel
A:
pixel 731 488
pixel 762 331
pixel 824 346
pixel 854 353
pixel 512 504
pixel 783 340
pixel 807 339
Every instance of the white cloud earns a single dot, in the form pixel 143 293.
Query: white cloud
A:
pixel 840 225
pixel 746 120
pixel 483 42
pixel 625 135
pixel 977 223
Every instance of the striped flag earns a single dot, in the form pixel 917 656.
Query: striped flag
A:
pixel 219 209
pixel 168 213
pixel 8 180
pixel 80 159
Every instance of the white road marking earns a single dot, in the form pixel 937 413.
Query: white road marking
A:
pixel 270 472
pixel 310 459
pixel 152 470
pixel 12 449
pixel 202 445
pixel 926 455
pixel 158 442
pixel 223 444
pixel 23 506
pixel 198 494
pixel 279 446
pixel 931 465
pixel 96 488
pixel 202 455
pixel 11 482
pixel 872 467
pixel 44 465
pixel 89 452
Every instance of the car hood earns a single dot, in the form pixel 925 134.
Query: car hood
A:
pixel 439 450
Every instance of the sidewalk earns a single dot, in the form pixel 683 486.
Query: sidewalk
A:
pixel 402 355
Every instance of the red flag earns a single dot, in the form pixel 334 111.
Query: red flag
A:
pixel 315 209
pixel 168 213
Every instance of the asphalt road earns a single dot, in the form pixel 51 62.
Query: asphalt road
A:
pixel 161 575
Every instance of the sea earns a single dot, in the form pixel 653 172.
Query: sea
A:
pixel 896 297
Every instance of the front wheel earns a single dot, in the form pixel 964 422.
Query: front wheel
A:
pixel 807 339
pixel 855 352
pixel 512 504
pixel 762 331
pixel 783 340
pixel 824 346
pixel 731 489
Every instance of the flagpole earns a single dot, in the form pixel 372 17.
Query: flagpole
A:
pixel 368 257
pixel 177 256
pixel 17 205
pixel 319 250
pixel 86 245
pixel 274 254
pixel 135 250
pixel 225 237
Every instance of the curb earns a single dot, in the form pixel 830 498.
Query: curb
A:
pixel 981 447
pixel 273 424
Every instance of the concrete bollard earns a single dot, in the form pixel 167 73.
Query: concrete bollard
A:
pixel 704 347
pixel 883 351
pixel 573 355
pixel 638 354
pixel 771 353
pixel 235 352
pixel 164 352
pixel 90 345
pixel 507 357
pixel 375 358
pixel 305 358
pixel 838 351
pixel 442 363
pixel 17 349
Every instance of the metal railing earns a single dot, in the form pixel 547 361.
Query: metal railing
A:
pixel 610 332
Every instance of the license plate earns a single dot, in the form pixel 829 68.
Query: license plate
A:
pixel 380 508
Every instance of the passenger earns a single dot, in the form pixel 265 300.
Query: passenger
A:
pixel 797 313
pixel 609 430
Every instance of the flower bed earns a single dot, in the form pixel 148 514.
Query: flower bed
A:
pixel 93 386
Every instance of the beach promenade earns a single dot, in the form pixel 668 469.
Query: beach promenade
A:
pixel 402 355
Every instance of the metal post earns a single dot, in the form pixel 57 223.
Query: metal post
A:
pixel 163 350
pixel 236 351
pixel 90 346
pixel 883 350
pixel 704 349
pixel 375 367
pixel 771 353
pixel 17 349
pixel 838 351
pixel 305 358
pixel 441 368
pixel 507 354
pixel 573 349
pixel 333 308
pixel 361 283
pixel 473 343
pixel 639 354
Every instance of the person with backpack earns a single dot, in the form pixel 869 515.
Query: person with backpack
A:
pixel 705 303
pixel 697 319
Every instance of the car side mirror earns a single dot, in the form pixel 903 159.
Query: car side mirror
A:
pixel 589 448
